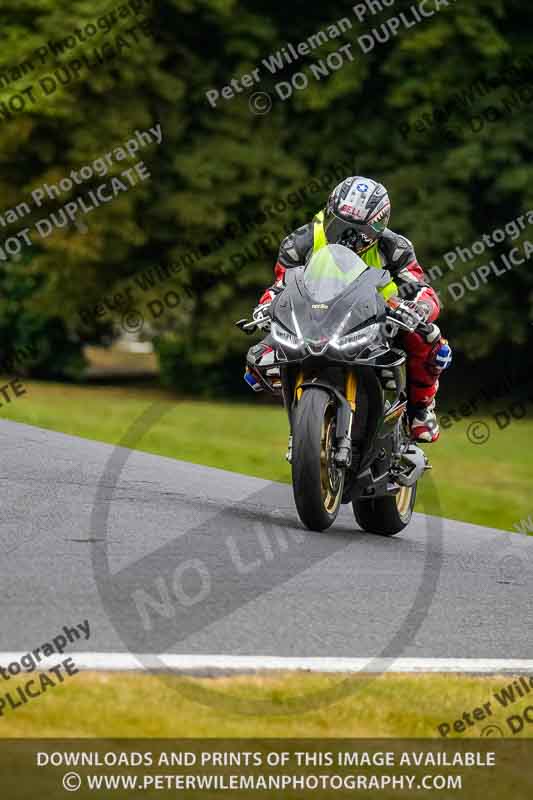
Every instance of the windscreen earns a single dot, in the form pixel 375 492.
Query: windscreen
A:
pixel 331 270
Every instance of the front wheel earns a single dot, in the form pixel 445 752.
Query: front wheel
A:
pixel 386 515
pixel 316 480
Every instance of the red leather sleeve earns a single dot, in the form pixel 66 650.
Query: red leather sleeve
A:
pixel 279 272
pixel 426 293
pixel 277 286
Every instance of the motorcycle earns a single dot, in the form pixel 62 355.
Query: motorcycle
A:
pixel 332 355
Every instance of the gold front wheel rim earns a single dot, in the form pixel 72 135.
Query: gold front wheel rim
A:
pixel 403 500
pixel 330 476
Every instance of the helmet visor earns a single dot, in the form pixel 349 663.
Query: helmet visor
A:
pixel 335 228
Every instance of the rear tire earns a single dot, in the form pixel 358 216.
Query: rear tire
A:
pixel 386 516
pixel 317 483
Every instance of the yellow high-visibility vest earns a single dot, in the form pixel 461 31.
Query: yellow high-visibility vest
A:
pixel 371 257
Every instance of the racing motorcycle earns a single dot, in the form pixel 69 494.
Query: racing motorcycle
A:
pixel 332 356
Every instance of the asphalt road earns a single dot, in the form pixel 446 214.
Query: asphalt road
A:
pixel 162 556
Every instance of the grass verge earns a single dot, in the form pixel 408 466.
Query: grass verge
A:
pixel 132 705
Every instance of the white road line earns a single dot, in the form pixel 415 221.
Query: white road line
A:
pixel 126 662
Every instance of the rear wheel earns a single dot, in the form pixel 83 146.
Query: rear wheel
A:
pixel 316 480
pixel 386 515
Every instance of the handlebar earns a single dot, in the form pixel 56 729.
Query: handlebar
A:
pixel 392 326
pixel 393 320
pixel 246 326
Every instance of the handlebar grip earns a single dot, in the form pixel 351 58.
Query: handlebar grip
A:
pixel 246 326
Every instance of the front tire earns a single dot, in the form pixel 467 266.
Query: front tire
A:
pixel 316 480
pixel 386 516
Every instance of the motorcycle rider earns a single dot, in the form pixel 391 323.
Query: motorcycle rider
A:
pixel 357 214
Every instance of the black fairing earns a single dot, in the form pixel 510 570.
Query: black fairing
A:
pixel 319 321
pixel 318 361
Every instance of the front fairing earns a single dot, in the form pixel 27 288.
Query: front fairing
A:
pixel 317 323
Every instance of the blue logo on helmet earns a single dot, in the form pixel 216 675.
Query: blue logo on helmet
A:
pixel 362 187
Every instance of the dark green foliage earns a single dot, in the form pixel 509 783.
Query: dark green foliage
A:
pixel 34 343
pixel 219 166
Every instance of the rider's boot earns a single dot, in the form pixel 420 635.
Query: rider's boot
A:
pixel 424 424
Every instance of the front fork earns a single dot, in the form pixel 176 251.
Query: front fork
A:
pixel 345 416
pixel 346 407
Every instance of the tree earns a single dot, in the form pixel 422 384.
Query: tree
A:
pixel 440 112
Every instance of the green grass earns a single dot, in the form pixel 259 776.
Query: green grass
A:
pixel 130 705
pixel 488 484
pixel 103 707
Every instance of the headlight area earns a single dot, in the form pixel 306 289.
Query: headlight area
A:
pixel 285 338
pixel 355 341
